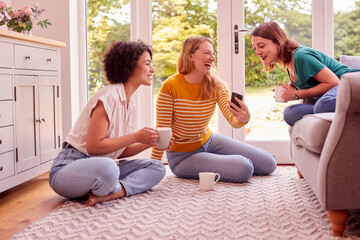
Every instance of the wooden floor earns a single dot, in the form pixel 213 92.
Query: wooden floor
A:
pixel 26 203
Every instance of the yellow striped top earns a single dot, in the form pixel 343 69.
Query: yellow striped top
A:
pixel 180 106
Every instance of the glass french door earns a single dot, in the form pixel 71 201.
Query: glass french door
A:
pixel 266 128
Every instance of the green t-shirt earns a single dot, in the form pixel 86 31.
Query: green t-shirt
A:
pixel 308 62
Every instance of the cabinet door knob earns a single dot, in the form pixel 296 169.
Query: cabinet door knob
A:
pixel 43 119
pixel 38 120
pixel 0 141
pixel 1 168
pixel 0 114
pixel 48 59
pixel 28 57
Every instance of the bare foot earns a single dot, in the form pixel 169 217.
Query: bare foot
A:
pixel 93 199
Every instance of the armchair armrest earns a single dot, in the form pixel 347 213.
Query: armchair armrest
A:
pixel 339 165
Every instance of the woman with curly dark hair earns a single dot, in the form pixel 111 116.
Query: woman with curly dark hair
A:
pixel 91 163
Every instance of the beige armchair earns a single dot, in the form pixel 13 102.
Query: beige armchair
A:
pixel 326 150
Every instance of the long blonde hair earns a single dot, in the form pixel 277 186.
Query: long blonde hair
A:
pixel 211 82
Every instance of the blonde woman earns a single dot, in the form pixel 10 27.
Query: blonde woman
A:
pixel 186 103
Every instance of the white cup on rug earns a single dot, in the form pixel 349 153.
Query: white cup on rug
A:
pixel 164 137
pixel 208 180
pixel 278 92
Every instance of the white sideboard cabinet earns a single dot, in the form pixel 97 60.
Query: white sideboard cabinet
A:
pixel 30 106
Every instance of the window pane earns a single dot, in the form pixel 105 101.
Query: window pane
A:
pixel 107 21
pixel 173 22
pixel 266 115
pixel 346 27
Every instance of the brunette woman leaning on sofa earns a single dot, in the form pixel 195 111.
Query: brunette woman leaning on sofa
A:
pixel 312 73
pixel 105 131
pixel 187 102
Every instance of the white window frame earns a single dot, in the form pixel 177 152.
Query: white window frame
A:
pixel 141 29
pixel 323 26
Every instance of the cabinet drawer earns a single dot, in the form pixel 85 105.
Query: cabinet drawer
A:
pixel 6 113
pixel 7 167
pixel 6 139
pixel 6 55
pixel 6 87
pixel 35 58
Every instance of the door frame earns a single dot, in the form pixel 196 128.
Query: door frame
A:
pixel 141 28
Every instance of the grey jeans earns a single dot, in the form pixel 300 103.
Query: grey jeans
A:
pixel 234 160
pixel 74 174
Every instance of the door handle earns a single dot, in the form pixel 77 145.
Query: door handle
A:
pixel 236 36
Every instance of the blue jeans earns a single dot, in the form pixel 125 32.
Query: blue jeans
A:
pixel 326 103
pixel 235 161
pixel 74 174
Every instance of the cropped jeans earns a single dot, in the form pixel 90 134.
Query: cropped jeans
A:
pixel 75 175
pixel 235 161
pixel 326 103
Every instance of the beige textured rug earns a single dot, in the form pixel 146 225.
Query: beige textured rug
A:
pixel 279 206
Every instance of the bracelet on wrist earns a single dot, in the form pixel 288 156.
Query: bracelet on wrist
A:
pixel 296 95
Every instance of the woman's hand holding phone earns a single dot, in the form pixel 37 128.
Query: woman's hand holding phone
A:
pixel 240 111
pixel 239 96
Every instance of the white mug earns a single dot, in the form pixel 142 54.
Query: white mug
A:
pixel 164 137
pixel 278 92
pixel 207 180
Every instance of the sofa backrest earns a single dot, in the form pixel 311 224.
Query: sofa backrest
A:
pixel 350 61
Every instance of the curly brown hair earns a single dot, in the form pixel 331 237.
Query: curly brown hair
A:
pixel 120 61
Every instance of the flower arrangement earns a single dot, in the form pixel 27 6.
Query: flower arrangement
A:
pixel 21 20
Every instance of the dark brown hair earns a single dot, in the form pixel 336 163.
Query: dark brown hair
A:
pixel 120 61
pixel 272 31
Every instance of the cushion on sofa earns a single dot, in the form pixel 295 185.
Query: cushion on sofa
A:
pixel 311 131
pixel 350 61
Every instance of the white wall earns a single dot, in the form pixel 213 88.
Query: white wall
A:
pixel 67 26
pixel 8 2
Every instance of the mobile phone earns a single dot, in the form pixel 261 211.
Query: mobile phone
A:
pixel 238 95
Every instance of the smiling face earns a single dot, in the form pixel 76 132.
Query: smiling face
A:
pixel 144 70
pixel 266 49
pixel 203 58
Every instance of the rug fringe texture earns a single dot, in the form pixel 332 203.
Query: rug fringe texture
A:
pixel 278 206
